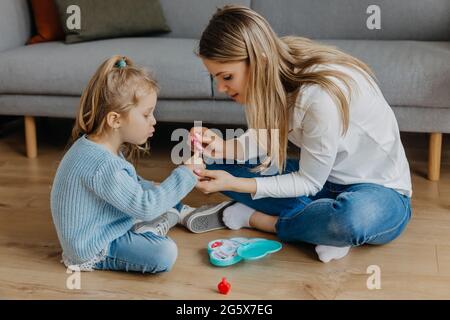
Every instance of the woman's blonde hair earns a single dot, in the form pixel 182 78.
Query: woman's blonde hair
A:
pixel 117 86
pixel 278 69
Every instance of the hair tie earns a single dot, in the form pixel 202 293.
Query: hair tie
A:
pixel 121 64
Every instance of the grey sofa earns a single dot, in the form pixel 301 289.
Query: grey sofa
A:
pixel 410 56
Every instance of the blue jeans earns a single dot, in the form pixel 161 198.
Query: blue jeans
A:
pixel 144 252
pixel 338 215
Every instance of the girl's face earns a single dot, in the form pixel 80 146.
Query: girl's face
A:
pixel 231 77
pixel 139 124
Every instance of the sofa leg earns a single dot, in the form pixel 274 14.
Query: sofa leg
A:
pixel 30 137
pixel 434 156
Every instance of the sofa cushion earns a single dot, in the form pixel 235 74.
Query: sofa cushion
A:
pixel 55 68
pixel 188 19
pixel 347 19
pixel 409 73
pixel 15 23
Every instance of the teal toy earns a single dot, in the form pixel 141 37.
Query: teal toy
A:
pixel 226 252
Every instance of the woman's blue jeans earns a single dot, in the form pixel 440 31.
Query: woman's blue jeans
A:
pixel 338 215
pixel 140 252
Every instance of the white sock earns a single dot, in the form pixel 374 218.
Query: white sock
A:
pixel 328 253
pixel 237 216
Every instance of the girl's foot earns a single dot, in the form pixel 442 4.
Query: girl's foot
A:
pixel 237 216
pixel 328 253
pixel 159 226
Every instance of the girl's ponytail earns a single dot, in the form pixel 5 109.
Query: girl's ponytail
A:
pixel 92 110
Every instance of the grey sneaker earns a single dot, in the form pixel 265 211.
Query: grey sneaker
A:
pixel 160 225
pixel 206 218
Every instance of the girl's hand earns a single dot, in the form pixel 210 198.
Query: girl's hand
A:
pixel 195 162
pixel 214 181
pixel 212 145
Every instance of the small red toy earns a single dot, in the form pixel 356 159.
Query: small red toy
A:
pixel 224 286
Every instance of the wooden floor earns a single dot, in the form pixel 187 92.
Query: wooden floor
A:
pixel 415 266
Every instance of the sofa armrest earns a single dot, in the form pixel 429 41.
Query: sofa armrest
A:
pixel 15 23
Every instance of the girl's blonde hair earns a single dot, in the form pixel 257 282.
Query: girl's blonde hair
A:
pixel 116 86
pixel 278 69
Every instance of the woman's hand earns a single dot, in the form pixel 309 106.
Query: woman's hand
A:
pixel 213 146
pixel 214 181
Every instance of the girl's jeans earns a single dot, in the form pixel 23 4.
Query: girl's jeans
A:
pixel 141 252
pixel 338 215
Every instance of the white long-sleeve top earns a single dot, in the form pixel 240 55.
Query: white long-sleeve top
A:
pixel 370 152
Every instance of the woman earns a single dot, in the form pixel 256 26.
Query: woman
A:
pixel 352 185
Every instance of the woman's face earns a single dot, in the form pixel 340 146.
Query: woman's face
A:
pixel 231 78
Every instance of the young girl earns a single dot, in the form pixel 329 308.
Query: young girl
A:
pixel 352 185
pixel 97 199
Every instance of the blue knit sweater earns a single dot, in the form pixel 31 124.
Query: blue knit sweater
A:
pixel 97 196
